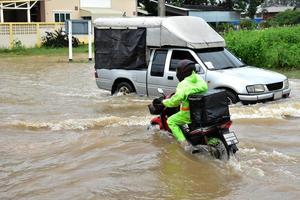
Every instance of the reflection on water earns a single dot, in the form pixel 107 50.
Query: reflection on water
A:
pixel 61 137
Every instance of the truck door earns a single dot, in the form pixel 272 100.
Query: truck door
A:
pixel 156 71
pixel 176 56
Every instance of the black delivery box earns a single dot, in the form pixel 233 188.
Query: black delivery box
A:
pixel 209 108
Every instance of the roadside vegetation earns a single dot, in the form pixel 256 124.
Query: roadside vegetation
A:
pixel 35 51
pixel 54 43
pixel 268 48
pixel 273 44
pixel 58 39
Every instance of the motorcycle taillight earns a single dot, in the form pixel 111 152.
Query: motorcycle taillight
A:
pixel 226 125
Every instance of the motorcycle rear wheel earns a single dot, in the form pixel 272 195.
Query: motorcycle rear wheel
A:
pixel 219 150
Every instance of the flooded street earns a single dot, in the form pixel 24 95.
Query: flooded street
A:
pixel 63 138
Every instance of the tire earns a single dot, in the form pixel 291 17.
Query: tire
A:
pixel 219 150
pixel 232 98
pixel 124 88
pixel 286 95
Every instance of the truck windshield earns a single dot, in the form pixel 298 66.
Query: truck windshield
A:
pixel 219 58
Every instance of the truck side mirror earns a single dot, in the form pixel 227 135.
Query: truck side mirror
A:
pixel 198 68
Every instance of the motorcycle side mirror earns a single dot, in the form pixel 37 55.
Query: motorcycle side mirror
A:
pixel 160 91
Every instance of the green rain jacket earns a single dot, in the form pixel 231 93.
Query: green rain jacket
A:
pixel 190 85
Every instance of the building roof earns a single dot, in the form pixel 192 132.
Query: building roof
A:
pixel 274 9
pixel 99 12
pixel 180 31
pixel 15 1
pixel 208 13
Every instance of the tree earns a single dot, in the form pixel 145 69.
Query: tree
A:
pixel 253 7
pixel 289 17
pixel 178 3
pixel 150 7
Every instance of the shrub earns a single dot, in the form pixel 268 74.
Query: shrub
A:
pixel 271 48
pixel 289 17
pixel 17 45
pixel 265 24
pixel 57 39
pixel 247 24
pixel 224 27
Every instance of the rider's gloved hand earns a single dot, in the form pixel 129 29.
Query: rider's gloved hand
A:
pixel 158 101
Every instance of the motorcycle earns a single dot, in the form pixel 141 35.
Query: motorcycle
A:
pixel 215 138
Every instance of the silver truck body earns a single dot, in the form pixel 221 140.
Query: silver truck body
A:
pixel 206 48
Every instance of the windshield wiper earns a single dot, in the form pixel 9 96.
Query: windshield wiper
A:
pixel 228 67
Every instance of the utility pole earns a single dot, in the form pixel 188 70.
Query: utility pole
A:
pixel 1 13
pixel 28 12
pixel 161 8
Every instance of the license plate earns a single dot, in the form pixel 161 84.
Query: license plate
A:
pixel 230 138
pixel 277 95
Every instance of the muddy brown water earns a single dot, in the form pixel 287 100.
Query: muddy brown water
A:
pixel 63 138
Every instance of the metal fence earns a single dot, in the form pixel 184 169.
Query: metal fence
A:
pixel 29 34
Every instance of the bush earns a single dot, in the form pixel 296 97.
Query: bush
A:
pixel 58 39
pixel 265 24
pixel 17 45
pixel 247 24
pixel 224 27
pixel 289 17
pixel 271 48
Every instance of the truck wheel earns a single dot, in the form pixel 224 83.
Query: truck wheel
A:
pixel 231 96
pixel 124 88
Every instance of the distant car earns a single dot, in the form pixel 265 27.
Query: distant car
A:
pixel 145 58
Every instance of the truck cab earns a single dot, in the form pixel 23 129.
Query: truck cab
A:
pixel 162 68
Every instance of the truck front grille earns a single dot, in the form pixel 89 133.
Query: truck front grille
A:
pixel 275 86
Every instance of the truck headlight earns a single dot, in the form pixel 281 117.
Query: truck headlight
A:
pixel 255 88
pixel 286 84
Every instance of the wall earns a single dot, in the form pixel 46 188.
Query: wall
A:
pixel 61 5
pixel 216 16
pixel 30 34
pixel 128 6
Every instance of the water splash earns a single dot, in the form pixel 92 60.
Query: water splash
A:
pixel 275 111
pixel 80 124
pixel 254 163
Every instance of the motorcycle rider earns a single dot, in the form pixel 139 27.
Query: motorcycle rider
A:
pixel 189 83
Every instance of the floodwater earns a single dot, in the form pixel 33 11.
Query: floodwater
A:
pixel 63 138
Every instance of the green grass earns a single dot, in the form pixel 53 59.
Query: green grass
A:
pixel 41 51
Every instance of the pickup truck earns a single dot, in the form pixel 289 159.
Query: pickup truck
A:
pixel 141 54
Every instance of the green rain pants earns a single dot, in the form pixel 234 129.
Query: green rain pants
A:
pixel 177 120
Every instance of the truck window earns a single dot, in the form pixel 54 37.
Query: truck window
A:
pixel 178 55
pixel 158 63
